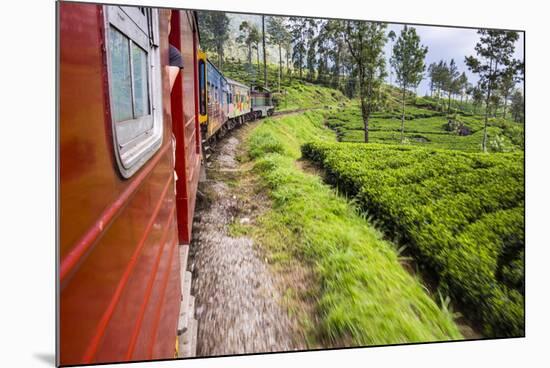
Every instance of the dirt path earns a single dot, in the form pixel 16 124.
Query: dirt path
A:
pixel 238 306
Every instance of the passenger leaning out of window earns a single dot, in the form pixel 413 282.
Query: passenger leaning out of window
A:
pixel 175 63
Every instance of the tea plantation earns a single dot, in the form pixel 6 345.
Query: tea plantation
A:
pixel 427 126
pixel 461 215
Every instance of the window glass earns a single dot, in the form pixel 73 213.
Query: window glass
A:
pixel 202 88
pixel 141 93
pixel 120 71
pixel 134 85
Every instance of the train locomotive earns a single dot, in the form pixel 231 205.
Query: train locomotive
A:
pixel 130 153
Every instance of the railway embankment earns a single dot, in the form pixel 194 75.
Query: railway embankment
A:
pixel 281 261
pixel 238 300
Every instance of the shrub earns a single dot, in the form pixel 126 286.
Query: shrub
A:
pixel 461 213
pixel 261 144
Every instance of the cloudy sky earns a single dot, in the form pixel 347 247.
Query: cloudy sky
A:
pixel 447 43
pixel 444 43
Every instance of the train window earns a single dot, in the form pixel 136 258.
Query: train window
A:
pixel 134 84
pixel 202 88
pixel 120 72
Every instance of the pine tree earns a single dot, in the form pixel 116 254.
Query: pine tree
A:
pixel 214 32
pixel 451 82
pixel 391 36
pixel 263 51
pixel 278 35
pixel 408 62
pixel 366 42
pixel 494 54
pixel 249 37
pixel 517 107
pixel 297 31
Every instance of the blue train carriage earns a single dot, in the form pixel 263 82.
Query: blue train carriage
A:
pixel 217 100
pixel 262 102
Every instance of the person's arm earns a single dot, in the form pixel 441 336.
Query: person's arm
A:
pixel 175 65
pixel 173 74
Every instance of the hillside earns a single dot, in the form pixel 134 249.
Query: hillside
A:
pixel 294 94
pixel 461 214
pixel 434 207
pixel 427 125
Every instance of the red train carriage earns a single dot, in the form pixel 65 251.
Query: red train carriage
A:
pixel 126 207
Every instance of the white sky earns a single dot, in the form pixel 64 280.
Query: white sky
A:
pixel 447 43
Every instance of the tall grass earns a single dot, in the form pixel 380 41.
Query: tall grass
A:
pixel 365 295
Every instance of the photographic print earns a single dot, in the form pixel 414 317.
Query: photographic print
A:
pixel 238 183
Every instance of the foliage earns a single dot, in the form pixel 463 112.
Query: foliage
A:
pixel 518 107
pixel 295 94
pixel 214 33
pixel 426 127
pixel 462 214
pixel 408 62
pixel 365 296
pixel 301 32
pixel 250 37
pixel 494 60
pixel 366 42
pixel 279 36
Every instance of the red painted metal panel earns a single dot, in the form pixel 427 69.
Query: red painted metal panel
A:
pixel 120 275
pixel 185 121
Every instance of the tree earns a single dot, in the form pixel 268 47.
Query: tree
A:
pixel 279 36
pixel 366 42
pixel 255 36
pixel 311 56
pixel 432 73
pixel 288 54
pixel 494 54
pixel 391 36
pixel 214 32
pixel 408 62
pixel 477 98
pixel 462 86
pixel 517 107
pixel 451 82
pixel 245 39
pixel 441 76
pixel 511 76
pixel 333 45
pixel 469 92
pixel 302 32
pixel 263 51
pixel 325 44
pixel 249 37
pixel 297 31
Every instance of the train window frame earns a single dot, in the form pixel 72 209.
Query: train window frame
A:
pixel 202 87
pixel 137 139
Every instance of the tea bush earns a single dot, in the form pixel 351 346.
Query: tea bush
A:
pixel 421 119
pixel 462 214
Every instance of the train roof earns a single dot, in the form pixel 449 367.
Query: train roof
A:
pixel 262 89
pixel 232 81
pixel 216 69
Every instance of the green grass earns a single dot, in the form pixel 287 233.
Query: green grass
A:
pixel 365 295
pixel 462 214
pixel 426 127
